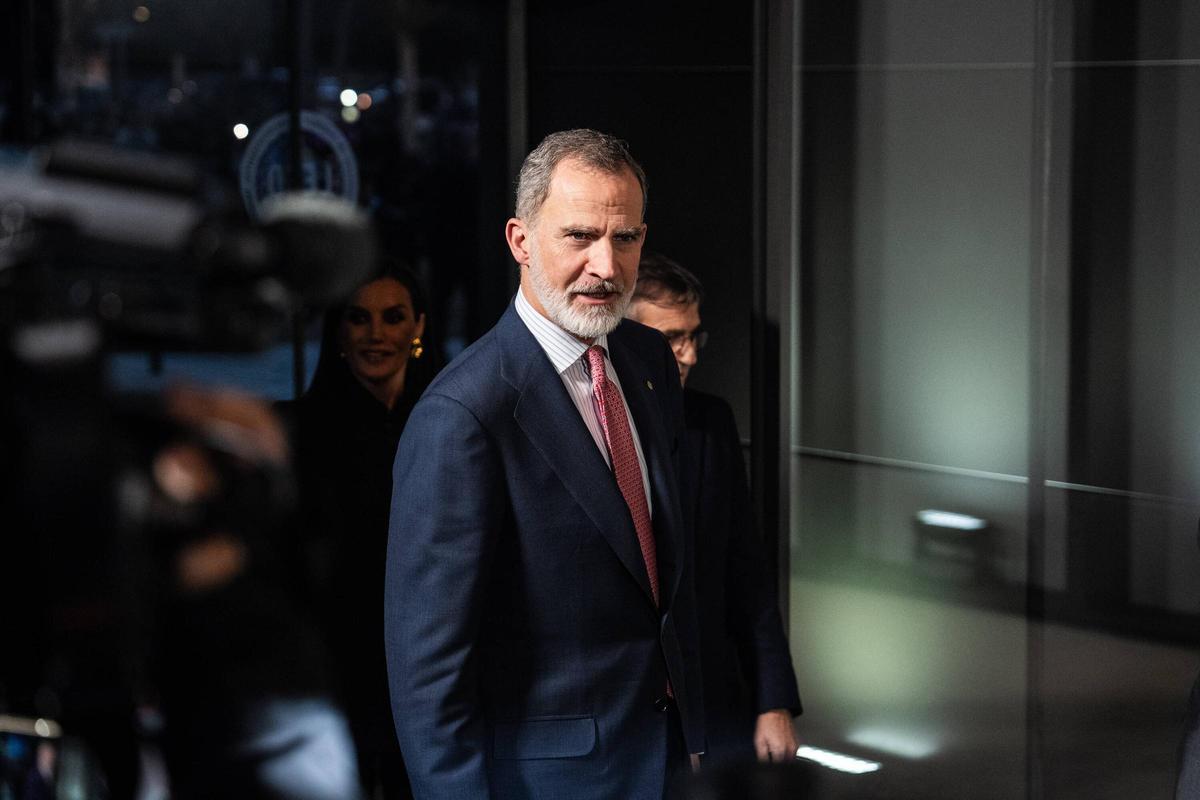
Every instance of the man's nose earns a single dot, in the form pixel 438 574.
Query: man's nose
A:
pixel 686 354
pixel 602 260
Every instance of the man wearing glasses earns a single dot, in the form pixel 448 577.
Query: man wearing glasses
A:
pixel 750 691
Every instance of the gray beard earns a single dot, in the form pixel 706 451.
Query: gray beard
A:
pixel 584 323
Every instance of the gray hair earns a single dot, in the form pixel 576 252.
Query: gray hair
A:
pixel 596 150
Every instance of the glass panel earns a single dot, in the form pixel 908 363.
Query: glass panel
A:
pixel 918 32
pixel 917 245
pixel 173 77
pixel 193 80
pixel 916 311
pixel 933 693
pixel 909 539
pixel 401 82
pixel 390 120
pixel 890 522
pixel 1112 708
pixel 1093 30
pixel 1123 370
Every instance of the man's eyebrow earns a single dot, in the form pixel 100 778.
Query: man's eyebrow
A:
pixel 588 229
pixel 632 231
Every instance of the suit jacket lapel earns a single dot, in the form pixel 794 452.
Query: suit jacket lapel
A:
pixel 546 414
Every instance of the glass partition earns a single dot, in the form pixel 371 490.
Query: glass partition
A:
pixel 388 100
pixel 997 283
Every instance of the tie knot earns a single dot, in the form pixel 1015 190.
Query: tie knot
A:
pixel 595 355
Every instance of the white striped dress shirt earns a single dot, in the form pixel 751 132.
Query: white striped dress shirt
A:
pixel 566 353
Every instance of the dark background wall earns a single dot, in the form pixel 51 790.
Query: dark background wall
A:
pixel 675 81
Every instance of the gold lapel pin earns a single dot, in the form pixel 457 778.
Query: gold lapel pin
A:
pixel 650 385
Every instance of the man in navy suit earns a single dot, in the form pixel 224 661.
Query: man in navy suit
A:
pixel 750 692
pixel 540 626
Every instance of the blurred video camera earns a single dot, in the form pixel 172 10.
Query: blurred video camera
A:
pixel 103 250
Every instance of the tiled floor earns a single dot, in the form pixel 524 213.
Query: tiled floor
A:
pixel 937 694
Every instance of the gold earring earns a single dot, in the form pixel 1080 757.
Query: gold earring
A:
pixel 415 348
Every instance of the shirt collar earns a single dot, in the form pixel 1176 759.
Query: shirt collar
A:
pixel 563 349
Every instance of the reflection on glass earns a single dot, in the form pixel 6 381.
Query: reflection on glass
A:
pixel 968 323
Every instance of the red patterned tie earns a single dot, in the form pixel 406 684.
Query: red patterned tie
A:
pixel 615 425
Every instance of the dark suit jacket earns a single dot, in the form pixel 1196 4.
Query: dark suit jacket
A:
pixel 525 653
pixel 744 654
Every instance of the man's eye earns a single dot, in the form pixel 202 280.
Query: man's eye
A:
pixel 578 236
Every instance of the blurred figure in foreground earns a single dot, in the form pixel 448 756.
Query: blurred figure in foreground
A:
pixel 235 660
pixel 750 691
pixel 372 368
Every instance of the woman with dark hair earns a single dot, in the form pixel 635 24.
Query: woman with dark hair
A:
pixel 372 368
pixel 374 340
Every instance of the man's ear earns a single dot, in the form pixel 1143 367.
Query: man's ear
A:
pixel 516 232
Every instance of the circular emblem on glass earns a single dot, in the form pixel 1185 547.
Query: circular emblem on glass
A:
pixel 327 162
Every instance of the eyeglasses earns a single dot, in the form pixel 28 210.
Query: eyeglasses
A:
pixel 682 339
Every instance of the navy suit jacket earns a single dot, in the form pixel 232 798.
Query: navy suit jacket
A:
pixel 745 658
pixel 525 652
